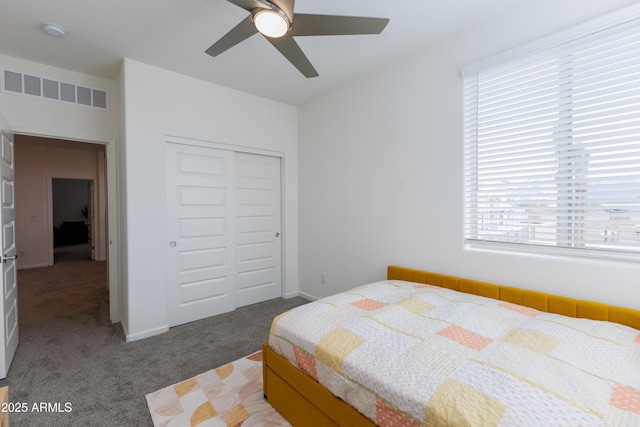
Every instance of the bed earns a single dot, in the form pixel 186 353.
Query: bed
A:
pixel 545 360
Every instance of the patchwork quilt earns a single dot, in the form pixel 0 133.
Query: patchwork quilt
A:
pixel 406 354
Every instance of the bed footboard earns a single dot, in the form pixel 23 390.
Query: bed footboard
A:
pixel 300 399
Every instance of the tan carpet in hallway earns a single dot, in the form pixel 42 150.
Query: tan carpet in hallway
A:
pixel 74 286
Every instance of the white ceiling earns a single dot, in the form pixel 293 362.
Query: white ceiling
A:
pixel 174 34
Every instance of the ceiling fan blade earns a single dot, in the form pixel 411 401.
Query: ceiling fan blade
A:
pixel 290 49
pixel 286 6
pixel 239 33
pixel 246 4
pixel 331 25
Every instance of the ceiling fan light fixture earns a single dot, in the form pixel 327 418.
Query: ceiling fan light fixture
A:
pixel 271 22
pixel 277 27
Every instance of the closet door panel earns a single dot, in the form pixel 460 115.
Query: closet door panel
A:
pixel 200 246
pixel 258 228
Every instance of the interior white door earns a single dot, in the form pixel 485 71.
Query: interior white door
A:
pixel 258 225
pixel 200 200
pixel 8 279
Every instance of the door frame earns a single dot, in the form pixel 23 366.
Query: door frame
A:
pixel 112 223
pixel 263 152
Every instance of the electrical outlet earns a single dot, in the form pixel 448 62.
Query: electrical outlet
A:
pixel 323 278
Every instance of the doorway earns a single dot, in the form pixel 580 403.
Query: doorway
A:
pixel 41 164
pixel 66 166
pixel 72 220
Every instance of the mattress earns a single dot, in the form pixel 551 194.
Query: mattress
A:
pixel 405 354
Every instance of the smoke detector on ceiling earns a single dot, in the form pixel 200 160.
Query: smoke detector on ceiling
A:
pixel 54 30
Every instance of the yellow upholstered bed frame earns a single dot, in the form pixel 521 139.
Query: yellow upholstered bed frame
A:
pixel 304 402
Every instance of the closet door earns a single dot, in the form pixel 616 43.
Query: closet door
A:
pixel 258 228
pixel 223 231
pixel 200 231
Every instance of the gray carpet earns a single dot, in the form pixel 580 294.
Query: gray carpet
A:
pixel 71 357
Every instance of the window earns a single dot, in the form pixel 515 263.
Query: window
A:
pixel 552 144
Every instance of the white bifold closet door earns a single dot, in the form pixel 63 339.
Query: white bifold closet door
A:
pixel 223 229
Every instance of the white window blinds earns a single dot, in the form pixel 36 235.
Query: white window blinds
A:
pixel 552 147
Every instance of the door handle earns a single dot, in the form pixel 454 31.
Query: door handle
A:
pixel 6 258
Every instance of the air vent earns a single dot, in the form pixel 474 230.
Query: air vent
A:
pixel 41 87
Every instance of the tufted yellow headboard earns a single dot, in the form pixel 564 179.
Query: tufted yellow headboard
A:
pixel 539 300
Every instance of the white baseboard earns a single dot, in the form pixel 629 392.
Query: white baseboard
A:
pixel 144 334
pixel 308 296
pixel 301 295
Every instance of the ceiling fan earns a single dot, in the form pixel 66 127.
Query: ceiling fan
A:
pixel 277 22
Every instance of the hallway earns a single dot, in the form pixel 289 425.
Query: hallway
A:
pixel 71 293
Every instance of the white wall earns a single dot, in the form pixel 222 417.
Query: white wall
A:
pixel 381 173
pixel 158 103
pixel 58 119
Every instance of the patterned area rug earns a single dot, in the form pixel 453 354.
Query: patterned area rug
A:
pixel 230 395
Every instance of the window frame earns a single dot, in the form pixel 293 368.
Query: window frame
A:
pixel 530 51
